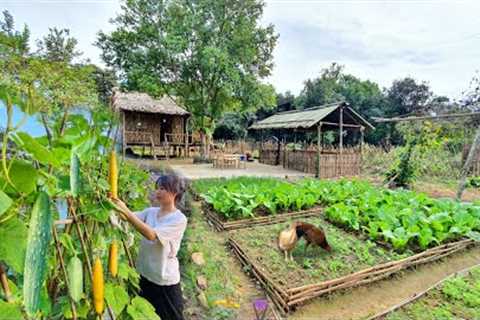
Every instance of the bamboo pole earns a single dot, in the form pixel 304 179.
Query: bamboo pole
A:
pixel 468 164
pixel 4 282
pixel 83 244
pixel 272 283
pixel 64 272
pixel 124 143
pixel 441 116
pixel 319 148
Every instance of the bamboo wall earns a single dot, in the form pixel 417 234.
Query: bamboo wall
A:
pixel 332 163
pixel 139 127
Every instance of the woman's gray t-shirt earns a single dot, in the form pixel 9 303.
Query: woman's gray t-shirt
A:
pixel 157 260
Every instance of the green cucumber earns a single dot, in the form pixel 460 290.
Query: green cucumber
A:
pixel 74 175
pixel 38 240
pixel 75 278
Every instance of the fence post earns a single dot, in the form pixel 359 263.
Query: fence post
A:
pixel 319 147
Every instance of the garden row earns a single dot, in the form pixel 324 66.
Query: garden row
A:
pixel 352 211
pixel 401 218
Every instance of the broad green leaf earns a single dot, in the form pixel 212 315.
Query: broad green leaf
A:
pixel 116 297
pixel 5 202
pixel 141 309
pixel 87 144
pixel 37 150
pixel 23 175
pixel 13 243
pixel 474 235
pixel 10 311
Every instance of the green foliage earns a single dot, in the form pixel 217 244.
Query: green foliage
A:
pixel 458 297
pixel 116 297
pixel 402 218
pixel 140 309
pixel 11 311
pixel 13 243
pixel 209 54
pixel 248 197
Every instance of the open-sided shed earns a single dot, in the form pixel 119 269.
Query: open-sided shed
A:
pixel 336 116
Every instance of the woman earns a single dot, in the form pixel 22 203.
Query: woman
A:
pixel 157 263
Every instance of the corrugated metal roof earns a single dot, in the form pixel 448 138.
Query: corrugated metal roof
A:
pixel 303 118
pixel 138 101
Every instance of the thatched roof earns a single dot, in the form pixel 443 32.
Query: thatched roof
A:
pixel 307 118
pixel 142 102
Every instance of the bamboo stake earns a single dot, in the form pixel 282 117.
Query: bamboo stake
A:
pixel 468 164
pixel 71 208
pixel 64 272
pixel 129 255
pixel 5 286
pixel 276 297
pixel 254 265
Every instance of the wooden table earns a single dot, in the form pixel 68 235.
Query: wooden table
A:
pixel 231 161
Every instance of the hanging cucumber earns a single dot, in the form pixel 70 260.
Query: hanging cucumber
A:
pixel 113 175
pixel 39 236
pixel 98 287
pixel 75 278
pixel 113 258
pixel 74 175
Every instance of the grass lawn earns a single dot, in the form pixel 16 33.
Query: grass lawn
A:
pixel 349 254
pixel 457 298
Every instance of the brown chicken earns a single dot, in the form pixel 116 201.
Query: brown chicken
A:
pixel 287 240
pixel 312 235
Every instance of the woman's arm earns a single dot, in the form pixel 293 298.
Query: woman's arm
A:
pixel 138 224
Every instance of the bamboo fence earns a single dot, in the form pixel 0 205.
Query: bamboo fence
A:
pixel 220 225
pixel 288 299
pixel 333 163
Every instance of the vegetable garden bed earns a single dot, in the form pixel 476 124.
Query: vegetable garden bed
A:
pixel 352 262
pixel 243 202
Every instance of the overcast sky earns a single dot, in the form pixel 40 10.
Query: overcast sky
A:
pixel 436 41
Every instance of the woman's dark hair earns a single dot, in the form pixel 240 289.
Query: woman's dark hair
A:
pixel 172 183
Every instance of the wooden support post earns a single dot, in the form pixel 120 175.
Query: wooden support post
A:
pixel 468 164
pixel 124 144
pixel 319 147
pixel 340 144
pixel 187 151
pixel 362 141
pixel 64 271
pixel 153 148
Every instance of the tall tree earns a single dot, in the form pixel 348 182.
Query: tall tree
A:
pixel 58 46
pixel 211 54
pixel 407 96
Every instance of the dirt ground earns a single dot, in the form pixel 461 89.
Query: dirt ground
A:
pixel 199 171
pixel 366 301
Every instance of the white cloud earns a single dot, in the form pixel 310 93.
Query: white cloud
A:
pixel 438 42
pixel 432 40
